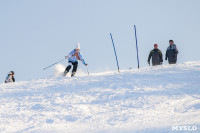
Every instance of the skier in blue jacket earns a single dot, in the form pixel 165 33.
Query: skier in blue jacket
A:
pixel 73 58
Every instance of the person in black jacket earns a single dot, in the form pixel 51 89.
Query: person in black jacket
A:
pixel 171 53
pixel 10 78
pixel 156 55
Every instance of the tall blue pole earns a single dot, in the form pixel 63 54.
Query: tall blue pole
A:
pixel 137 47
pixel 115 51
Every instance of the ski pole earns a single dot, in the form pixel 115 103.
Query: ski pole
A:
pixel 137 47
pixel 53 64
pixel 87 71
pixel 115 51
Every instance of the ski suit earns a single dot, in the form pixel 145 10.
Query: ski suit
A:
pixel 157 57
pixel 171 54
pixel 10 78
pixel 73 58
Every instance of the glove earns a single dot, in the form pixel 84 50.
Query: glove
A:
pixel 86 64
pixel 165 58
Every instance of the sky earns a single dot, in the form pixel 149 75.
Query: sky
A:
pixel 37 33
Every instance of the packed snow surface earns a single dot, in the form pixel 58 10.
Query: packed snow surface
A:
pixel 152 99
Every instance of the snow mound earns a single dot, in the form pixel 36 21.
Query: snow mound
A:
pixel 59 69
pixel 151 100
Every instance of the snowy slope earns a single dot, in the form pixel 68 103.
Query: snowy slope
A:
pixel 150 100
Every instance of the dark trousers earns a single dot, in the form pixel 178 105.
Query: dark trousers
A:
pixel 75 65
pixel 156 63
pixel 172 61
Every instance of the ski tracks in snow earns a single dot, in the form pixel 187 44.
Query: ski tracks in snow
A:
pixel 149 100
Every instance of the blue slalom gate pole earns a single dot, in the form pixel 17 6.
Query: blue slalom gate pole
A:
pixel 137 47
pixel 115 51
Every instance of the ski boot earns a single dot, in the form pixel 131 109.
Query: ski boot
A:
pixel 73 74
pixel 65 73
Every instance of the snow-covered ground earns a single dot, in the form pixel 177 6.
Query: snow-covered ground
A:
pixel 154 99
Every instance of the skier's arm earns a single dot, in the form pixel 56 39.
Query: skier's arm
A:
pixel 176 50
pixel 150 54
pixel 13 79
pixel 69 55
pixel 6 79
pixel 161 57
pixel 81 58
pixel 166 55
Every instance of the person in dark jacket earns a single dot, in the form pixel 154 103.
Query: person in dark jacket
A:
pixel 10 78
pixel 156 55
pixel 171 53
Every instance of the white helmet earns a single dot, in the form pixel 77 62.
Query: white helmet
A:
pixel 78 46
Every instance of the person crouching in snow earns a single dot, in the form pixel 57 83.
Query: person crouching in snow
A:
pixel 10 78
pixel 73 58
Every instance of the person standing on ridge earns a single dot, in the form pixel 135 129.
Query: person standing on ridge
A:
pixel 156 55
pixel 171 53
pixel 10 78
pixel 73 58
